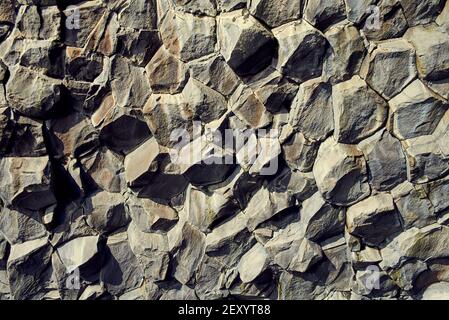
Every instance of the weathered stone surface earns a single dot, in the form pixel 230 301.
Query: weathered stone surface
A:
pixel 358 111
pixel 106 170
pixel 249 109
pixel 311 111
pixel 431 56
pixel 229 241
pixel 122 271
pixel 373 219
pixel 224 149
pixel 80 253
pixel 392 21
pixel 20 92
pixel 340 172
pixel 421 13
pixel 188 37
pixel 275 13
pixel 166 73
pixel 416 111
pixel 322 13
pixel 166 113
pixel 215 73
pixel 345 54
pixel 247 46
pixel 299 153
pixel 390 67
pixel 264 205
pixel 386 161
pixel 27 269
pixel 26 182
pixel 151 216
pixel 151 250
pixel 207 104
pixel 187 245
pixel 414 205
pixel 426 161
pixel 253 263
pixel 320 220
pixel 106 212
pixel 301 50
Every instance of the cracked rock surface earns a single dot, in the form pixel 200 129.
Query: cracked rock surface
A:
pixel 119 179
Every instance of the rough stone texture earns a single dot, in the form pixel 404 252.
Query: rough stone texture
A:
pixel 224 149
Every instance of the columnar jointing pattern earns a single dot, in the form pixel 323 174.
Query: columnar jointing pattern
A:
pixel 345 102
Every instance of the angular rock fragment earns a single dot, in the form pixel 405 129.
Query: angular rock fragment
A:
pixel 121 272
pixel 142 163
pixel 20 92
pixel 423 244
pixel 341 174
pixel 275 13
pixel 323 13
pixel 187 245
pixel 165 114
pixel 187 36
pixel 320 220
pixel 215 73
pixel 421 13
pixel 90 13
pixel 392 21
pixel 105 168
pixel 248 108
pixel 122 133
pixel 373 219
pixel 27 269
pixel 207 104
pixel 311 111
pixel 229 241
pixel 414 205
pixel 129 84
pixel 300 153
pixel 72 136
pixel 426 161
pixel 151 216
pixel 358 111
pixel 139 14
pixel 301 50
pixel 151 250
pixel 416 111
pixel 345 53
pixel 26 182
pixel 264 205
pixel 432 46
pixel 386 161
pixel 80 253
pixel 106 212
pixel 247 46
pixel 137 45
pixel 166 73
pixel 390 67
pixel 253 263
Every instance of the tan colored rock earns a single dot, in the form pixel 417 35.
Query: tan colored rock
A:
pixel 358 111
pixel 373 219
pixel 166 73
pixel 253 263
pixel 340 172
pixel 188 37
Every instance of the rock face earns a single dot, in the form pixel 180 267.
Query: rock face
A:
pixel 224 149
